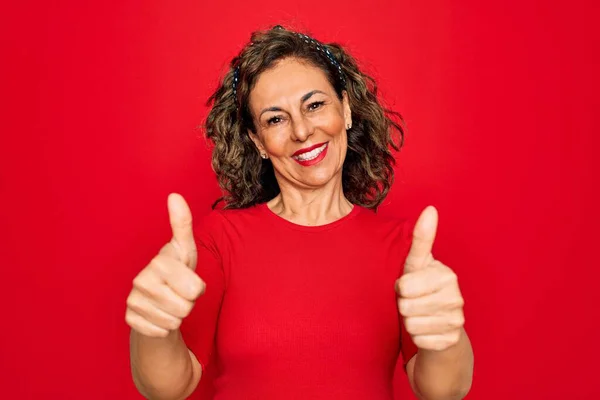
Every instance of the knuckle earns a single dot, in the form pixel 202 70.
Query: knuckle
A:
pixel 142 281
pixel 403 280
pixel 458 302
pixel 138 281
pixel 410 325
pixel 404 307
pixel 397 285
pixel 186 308
pixel 129 318
pixel 452 276
pixel 454 321
pixel 453 338
pixel 404 284
pixel 201 286
pixel 192 283
pixel 132 300
pixel 133 321
pixel 202 290
pixel 459 320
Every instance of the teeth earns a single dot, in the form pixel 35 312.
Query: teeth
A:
pixel 311 154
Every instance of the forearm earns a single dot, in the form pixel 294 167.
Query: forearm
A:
pixel 163 368
pixel 447 374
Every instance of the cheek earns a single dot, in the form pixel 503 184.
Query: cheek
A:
pixel 331 123
pixel 275 143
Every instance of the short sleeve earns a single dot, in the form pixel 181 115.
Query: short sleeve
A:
pixel 199 328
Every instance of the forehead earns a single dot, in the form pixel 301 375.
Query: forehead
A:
pixel 288 80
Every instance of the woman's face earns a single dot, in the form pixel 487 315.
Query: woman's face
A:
pixel 300 123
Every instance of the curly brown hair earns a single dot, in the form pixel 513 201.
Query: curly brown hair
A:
pixel 247 179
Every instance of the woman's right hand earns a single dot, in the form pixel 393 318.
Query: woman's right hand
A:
pixel 164 292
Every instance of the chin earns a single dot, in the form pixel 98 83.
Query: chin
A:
pixel 319 178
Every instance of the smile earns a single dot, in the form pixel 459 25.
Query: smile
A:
pixel 310 155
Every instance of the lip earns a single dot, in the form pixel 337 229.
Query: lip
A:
pixel 307 149
pixel 314 161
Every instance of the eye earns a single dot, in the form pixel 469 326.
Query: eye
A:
pixel 274 120
pixel 316 105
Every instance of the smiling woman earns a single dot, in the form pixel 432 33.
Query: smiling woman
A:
pixel 299 289
pixel 287 85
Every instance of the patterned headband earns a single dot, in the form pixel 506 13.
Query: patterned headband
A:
pixel 317 46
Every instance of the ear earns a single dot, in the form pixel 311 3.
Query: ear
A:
pixel 346 108
pixel 254 137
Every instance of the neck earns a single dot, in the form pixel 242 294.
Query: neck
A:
pixel 311 207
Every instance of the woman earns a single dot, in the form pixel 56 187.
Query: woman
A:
pixel 298 289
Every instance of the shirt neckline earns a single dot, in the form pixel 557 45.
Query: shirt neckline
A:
pixel 276 219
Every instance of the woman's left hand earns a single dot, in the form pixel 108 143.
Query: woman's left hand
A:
pixel 429 297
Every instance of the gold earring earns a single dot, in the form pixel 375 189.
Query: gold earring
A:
pixel 263 156
pixel 349 126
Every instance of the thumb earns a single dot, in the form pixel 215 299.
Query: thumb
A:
pixel 180 218
pixel 424 233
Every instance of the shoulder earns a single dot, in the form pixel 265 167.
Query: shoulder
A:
pixel 386 222
pixel 387 230
pixel 386 233
pixel 216 224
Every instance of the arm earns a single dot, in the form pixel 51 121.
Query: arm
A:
pixel 445 374
pixel 163 368
pixel 165 293
pixel 431 304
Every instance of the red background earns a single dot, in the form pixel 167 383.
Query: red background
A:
pixel 100 104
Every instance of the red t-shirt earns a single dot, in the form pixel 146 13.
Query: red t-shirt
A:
pixel 297 312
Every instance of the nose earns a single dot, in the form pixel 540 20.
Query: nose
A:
pixel 302 129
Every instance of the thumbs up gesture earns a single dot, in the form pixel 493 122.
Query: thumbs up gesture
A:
pixel 165 290
pixel 429 297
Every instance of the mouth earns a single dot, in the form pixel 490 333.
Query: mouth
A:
pixel 312 156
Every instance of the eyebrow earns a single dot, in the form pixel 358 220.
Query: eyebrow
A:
pixel 302 100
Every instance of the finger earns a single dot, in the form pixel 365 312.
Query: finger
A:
pixel 433 325
pixel 423 282
pixel 168 301
pixel 142 326
pixel 422 242
pixel 437 342
pixel 185 282
pixel 162 295
pixel 151 312
pixel 435 304
pixel 180 218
